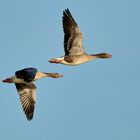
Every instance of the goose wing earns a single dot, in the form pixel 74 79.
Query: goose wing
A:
pixel 27 93
pixel 72 35
pixel 28 74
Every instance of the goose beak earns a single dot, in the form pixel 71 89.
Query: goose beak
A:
pixel 109 55
pixel 60 75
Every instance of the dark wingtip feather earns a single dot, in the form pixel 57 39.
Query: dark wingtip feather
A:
pixel 67 10
pixel 29 114
pixel 67 17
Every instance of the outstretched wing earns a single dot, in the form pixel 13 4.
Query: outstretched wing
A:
pixel 28 74
pixel 27 98
pixel 72 35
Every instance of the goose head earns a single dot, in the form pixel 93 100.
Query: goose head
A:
pixel 102 55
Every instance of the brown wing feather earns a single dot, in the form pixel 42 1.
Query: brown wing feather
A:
pixel 72 35
pixel 27 98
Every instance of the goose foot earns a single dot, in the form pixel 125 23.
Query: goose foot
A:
pixel 55 60
pixel 8 80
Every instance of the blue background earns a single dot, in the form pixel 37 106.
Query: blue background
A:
pixel 98 100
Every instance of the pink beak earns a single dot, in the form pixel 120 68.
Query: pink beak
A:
pixel 109 55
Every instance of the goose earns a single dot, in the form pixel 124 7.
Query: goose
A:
pixel 24 82
pixel 73 46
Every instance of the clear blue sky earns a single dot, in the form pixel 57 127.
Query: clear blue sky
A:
pixel 99 100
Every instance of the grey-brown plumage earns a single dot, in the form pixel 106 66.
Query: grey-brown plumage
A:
pixel 73 44
pixel 72 36
pixel 27 93
pixel 24 82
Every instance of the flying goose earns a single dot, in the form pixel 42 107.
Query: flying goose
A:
pixel 73 45
pixel 24 82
